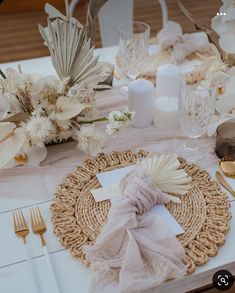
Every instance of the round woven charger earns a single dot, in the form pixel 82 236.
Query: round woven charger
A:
pixel 203 214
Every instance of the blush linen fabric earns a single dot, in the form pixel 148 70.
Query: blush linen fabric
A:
pixel 135 251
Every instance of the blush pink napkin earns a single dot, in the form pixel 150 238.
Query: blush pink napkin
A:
pixel 135 251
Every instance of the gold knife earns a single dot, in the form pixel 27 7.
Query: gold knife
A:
pixel 223 182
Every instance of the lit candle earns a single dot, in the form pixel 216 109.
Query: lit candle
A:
pixel 168 81
pixel 165 113
pixel 140 100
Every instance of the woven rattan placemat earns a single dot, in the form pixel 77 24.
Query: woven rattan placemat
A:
pixel 203 214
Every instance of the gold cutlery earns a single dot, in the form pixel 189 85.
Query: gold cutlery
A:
pixel 22 230
pixel 227 165
pixel 39 227
pixel 38 224
pixel 223 182
pixel 20 225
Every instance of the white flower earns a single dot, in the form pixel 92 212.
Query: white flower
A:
pixel 38 129
pixel 67 108
pixel 77 91
pixel 8 105
pixel 90 140
pixel 63 131
pixel 12 139
pixel 114 115
pixel 87 114
pixel 82 93
pixel 125 116
pixel 114 127
pixel 28 156
pixel 118 121
pixel 4 107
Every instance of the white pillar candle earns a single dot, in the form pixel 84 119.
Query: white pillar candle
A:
pixel 168 81
pixel 165 113
pixel 140 100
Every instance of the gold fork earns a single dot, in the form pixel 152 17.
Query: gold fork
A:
pixel 39 227
pixel 38 224
pixel 20 226
pixel 22 230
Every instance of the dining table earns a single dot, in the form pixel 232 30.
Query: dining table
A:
pixel 25 187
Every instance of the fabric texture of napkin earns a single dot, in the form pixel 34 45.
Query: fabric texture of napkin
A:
pixel 182 45
pixel 136 251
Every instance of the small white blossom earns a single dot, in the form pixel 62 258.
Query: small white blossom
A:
pixel 38 129
pixel 90 140
pixel 118 121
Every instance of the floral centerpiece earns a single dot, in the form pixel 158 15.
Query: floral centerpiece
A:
pixel 37 110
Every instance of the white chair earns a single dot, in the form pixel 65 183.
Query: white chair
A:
pixel 112 14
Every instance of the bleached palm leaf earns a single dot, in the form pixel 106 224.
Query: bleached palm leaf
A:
pixel 53 13
pixel 71 52
pixel 166 173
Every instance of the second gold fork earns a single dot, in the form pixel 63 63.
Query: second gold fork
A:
pixel 39 227
pixel 38 224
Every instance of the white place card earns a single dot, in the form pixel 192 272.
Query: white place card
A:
pixel 110 181
pixel 105 193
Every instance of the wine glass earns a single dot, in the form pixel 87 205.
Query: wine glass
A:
pixel 195 109
pixel 133 48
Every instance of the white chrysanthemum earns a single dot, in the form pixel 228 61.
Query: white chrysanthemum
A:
pixel 38 129
pixel 90 140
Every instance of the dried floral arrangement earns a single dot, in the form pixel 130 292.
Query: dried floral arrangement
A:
pixel 36 110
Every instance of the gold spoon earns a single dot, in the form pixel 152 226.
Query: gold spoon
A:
pixel 223 182
pixel 227 165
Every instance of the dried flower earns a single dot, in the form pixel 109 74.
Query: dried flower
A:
pixel 90 140
pixel 38 129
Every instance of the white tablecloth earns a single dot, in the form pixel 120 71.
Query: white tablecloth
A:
pixel 36 186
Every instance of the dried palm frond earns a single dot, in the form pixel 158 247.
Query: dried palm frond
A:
pixel 71 52
pixel 55 13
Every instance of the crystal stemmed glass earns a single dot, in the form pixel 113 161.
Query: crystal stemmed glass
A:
pixel 195 109
pixel 133 48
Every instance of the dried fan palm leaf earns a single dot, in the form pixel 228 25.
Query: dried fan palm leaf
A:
pixel 54 13
pixel 93 10
pixel 71 53
pixel 166 173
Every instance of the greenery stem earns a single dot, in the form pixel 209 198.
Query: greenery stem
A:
pixel 101 119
